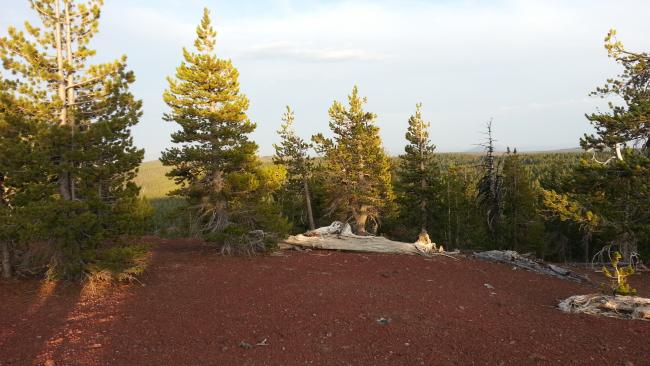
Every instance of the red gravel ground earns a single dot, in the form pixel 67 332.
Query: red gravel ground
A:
pixel 314 308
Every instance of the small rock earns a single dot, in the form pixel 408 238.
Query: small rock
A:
pixel 536 357
pixel 383 321
pixel 487 285
pixel 245 345
pixel 49 363
pixel 559 270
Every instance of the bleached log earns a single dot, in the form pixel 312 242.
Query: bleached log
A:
pixel 622 307
pixel 513 258
pixel 339 236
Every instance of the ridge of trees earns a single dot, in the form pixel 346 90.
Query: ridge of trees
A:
pixel 68 163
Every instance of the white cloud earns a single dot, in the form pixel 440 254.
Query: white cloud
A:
pixel 306 52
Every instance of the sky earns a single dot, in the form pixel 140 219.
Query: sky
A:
pixel 529 65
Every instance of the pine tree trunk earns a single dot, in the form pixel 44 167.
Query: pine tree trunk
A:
pixel 58 40
pixel 456 213
pixel 423 203
pixel 310 214
pixel 360 218
pixel 361 224
pixel 71 99
pixel 64 179
pixel 449 210
pixel 6 260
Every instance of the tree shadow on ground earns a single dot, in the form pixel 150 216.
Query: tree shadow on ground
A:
pixel 31 313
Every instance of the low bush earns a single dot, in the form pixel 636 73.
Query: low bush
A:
pixel 118 264
pixel 619 276
pixel 238 240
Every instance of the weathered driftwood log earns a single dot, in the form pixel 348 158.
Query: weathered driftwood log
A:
pixel 355 243
pixel 339 236
pixel 623 307
pixel 513 258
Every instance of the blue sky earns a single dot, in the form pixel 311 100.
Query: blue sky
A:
pixel 528 64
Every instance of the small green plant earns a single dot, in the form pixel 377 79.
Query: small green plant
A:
pixel 619 276
pixel 119 264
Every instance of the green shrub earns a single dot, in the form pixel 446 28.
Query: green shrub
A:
pixel 114 265
pixel 75 230
pixel 238 240
pixel 619 276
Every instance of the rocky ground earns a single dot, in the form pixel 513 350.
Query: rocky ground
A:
pixel 326 308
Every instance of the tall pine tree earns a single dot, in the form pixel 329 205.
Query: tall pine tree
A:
pixel 357 175
pixel 522 226
pixel 618 189
pixel 213 161
pixel 293 153
pixel 88 110
pixel 91 104
pixel 419 174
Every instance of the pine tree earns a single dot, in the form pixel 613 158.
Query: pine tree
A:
pixel 88 109
pixel 462 225
pixel 419 173
pixel 627 124
pixel 214 162
pixel 358 178
pixel 522 224
pixel 92 104
pixel 293 153
pixel 24 173
pixel 489 190
pixel 617 190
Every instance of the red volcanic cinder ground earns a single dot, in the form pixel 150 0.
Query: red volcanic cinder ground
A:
pixel 321 308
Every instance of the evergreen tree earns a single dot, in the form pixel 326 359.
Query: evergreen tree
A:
pixel 627 124
pixel 293 153
pixel 618 190
pixel 24 174
pixel 462 225
pixel 91 104
pixel 214 162
pixel 522 224
pixel 419 174
pixel 489 190
pixel 358 178
pixel 88 110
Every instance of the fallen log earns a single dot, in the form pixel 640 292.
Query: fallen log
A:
pixel 622 307
pixel 376 244
pixel 339 236
pixel 513 258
